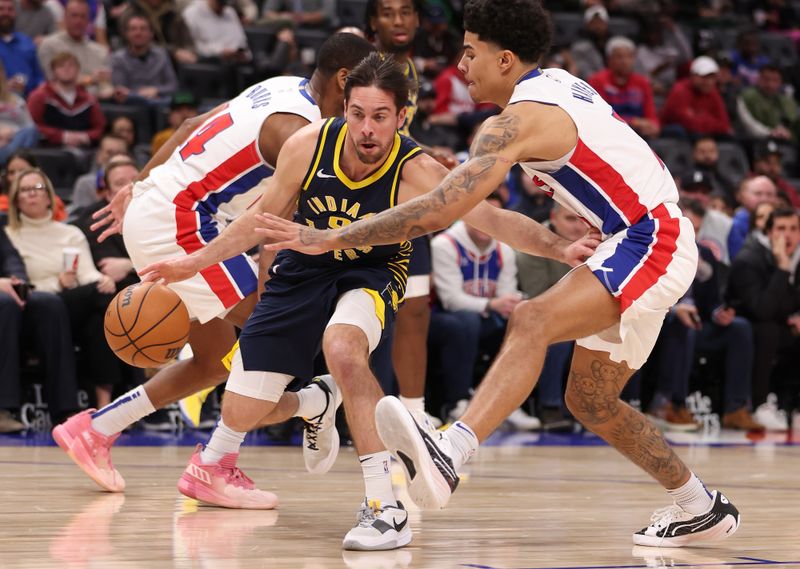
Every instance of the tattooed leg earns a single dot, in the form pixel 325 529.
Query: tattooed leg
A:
pixel 592 396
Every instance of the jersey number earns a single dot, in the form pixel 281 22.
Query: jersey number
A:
pixel 197 145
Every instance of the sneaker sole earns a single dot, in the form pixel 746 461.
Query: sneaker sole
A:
pixel 400 435
pixel 202 493
pixel 79 456
pixel 724 529
pixel 403 539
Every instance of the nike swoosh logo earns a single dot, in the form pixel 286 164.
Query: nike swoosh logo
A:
pixel 321 174
pixel 365 460
pixel 399 527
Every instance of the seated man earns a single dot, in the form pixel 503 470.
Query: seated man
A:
pixel 92 182
pixel 764 288
pixel 475 278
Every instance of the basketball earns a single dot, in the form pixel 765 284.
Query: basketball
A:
pixel 146 325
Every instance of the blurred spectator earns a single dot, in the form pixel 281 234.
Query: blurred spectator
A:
pixel 17 53
pixel 217 33
pixel 93 57
pixel 27 313
pixel 752 192
pixel 747 58
pixel 182 106
pixel 764 287
pixel 423 129
pixel 663 51
pixel 768 161
pixel 141 71
pixel 44 245
pixel 17 129
pixel 65 113
pixel 35 20
pixel 694 105
pixel 283 59
pixel 536 275
pixel 560 58
pixel 475 278
pixel 97 29
pixel 303 13
pixel 89 186
pixel 124 128
pixel 437 45
pixel 169 27
pixel 628 93
pixel 700 322
pixel 588 51
pixel 19 161
pixel 774 15
pixel 765 111
pixel 111 257
pixel 716 226
pixel 533 202
pixel 705 155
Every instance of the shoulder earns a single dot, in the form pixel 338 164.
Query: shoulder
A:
pixel 302 143
pixel 423 172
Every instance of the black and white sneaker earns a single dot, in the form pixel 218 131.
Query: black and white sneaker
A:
pixel 379 528
pixel 320 437
pixel 423 452
pixel 675 527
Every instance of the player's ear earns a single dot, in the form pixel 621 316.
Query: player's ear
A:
pixel 401 117
pixel 505 59
pixel 341 75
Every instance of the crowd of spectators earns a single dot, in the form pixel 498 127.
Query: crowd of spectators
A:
pixel 91 89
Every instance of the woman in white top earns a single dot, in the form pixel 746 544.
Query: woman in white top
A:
pixel 43 244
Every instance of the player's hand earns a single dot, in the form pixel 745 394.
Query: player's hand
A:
pixel 112 214
pixel 578 251
pixel 171 270
pixel 285 234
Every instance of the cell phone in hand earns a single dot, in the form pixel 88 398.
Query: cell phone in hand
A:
pixel 23 290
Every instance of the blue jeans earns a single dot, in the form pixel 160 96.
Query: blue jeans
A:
pixel 25 138
pixel 736 341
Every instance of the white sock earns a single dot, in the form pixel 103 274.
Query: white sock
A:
pixel 122 412
pixel 378 477
pixel 224 440
pixel 693 496
pixel 413 404
pixel 311 402
pixel 465 443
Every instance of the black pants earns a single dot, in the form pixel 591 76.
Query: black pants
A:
pixel 44 324
pixel 87 307
pixel 777 359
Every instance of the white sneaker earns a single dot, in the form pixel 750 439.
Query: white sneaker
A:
pixel 320 436
pixel 675 527
pixel 379 528
pixel 424 454
pixel 425 418
pixel 770 416
pixel 457 411
pixel 521 421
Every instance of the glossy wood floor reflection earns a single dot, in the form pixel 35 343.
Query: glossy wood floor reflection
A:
pixel 532 507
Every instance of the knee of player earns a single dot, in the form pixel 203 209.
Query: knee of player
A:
pixel 346 356
pixel 531 317
pixel 592 401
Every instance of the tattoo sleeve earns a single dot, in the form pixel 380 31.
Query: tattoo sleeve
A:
pixel 461 190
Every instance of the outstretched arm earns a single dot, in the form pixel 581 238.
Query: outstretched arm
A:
pixel 526 235
pixel 494 152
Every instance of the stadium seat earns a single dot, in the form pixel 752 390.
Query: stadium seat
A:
pixel 566 27
pixel 141 116
pixel 623 27
pixel 351 12
pixel 779 48
pixel 733 160
pixel 674 152
pixel 206 80
pixel 260 39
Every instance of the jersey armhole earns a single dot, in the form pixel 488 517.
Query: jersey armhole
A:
pixel 416 151
pixel 320 148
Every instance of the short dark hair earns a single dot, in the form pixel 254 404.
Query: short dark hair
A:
pixel 693 206
pixel 521 26
pixel 780 212
pixel 134 15
pixel 371 11
pixel 771 67
pixel 381 71
pixel 342 51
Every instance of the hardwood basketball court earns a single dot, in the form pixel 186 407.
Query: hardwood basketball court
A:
pixel 529 502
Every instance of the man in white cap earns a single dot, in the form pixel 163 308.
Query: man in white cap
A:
pixel 694 105
pixel 588 51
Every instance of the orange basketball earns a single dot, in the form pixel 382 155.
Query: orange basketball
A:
pixel 146 325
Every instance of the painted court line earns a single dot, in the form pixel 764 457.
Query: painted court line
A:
pixel 748 562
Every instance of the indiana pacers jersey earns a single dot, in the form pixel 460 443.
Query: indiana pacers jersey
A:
pixel 411 105
pixel 330 200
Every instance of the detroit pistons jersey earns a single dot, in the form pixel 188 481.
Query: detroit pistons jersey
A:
pixel 329 199
pixel 212 176
pixel 611 178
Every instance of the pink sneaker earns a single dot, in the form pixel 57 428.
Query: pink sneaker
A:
pixel 90 450
pixel 223 484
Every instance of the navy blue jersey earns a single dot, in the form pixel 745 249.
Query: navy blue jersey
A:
pixel 330 200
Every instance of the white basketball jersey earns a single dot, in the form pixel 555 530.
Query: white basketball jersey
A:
pixel 215 171
pixel 612 178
